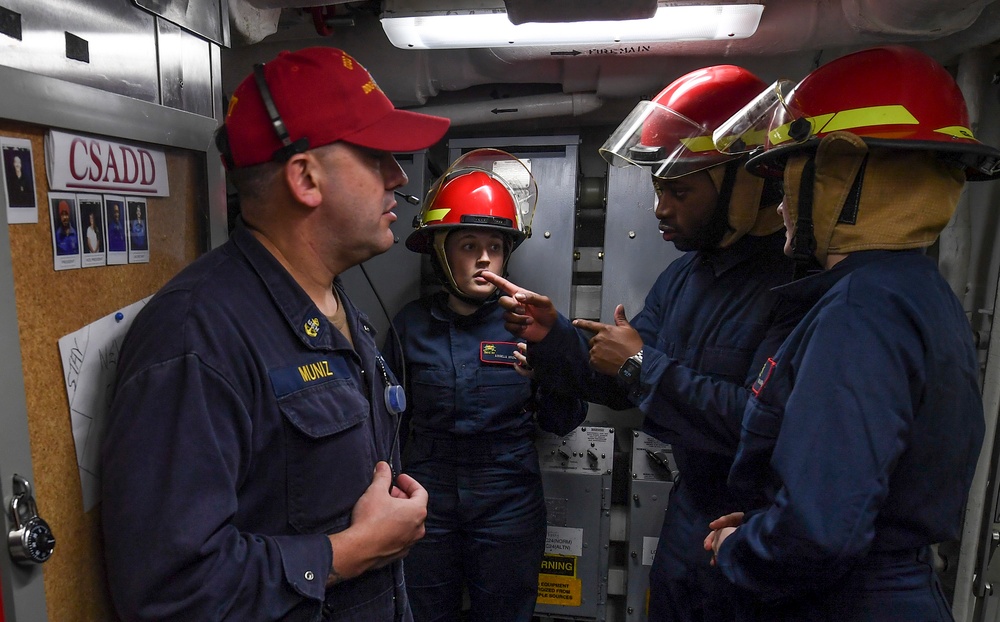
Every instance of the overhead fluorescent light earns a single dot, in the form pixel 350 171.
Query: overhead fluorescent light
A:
pixel 485 28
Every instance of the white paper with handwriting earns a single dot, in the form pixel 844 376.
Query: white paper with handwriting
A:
pixel 90 360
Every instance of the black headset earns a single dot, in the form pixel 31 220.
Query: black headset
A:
pixel 281 154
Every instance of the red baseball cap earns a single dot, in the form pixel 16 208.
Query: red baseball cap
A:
pixel 324 95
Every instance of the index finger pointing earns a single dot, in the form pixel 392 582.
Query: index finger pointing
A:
pixel 500 282
pixel 588 325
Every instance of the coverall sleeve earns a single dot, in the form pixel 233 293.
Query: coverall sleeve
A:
pixel 174 454
pixel 707 409
pixel 844 427
pixel 562 365
pixel 704 409
pixel 558 411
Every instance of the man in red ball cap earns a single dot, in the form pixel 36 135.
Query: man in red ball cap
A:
pixel 247 462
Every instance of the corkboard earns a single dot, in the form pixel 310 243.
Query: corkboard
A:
pixel 53 303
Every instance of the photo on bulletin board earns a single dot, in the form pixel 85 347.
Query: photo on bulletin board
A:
pixel 65 230
pixel 19 180
pixel 115 240
pixel 92 225
pixel 138 230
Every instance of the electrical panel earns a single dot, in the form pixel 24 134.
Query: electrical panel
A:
pixel 576 474
pixel 652 478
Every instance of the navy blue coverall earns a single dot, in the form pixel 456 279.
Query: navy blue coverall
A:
pixel 863 436
pixel 241 433
pixel 472 421
pixel 708 324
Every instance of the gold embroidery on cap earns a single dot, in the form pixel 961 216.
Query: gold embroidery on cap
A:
pixel 348 61
pixel 369 86
pixel 232 104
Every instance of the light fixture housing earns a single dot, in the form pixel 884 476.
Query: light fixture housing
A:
pixel 479 25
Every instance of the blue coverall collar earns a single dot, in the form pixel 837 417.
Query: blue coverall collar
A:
pixel 303 317
pixel 441 311
pixel 724 259
pixel 811 288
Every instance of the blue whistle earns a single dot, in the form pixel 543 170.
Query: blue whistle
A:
pixel 395 399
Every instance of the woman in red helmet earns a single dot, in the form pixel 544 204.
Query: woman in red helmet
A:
pixel 473 411
pixel 860 443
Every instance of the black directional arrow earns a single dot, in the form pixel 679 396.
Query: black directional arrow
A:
pixel 571 53
pixel 502 110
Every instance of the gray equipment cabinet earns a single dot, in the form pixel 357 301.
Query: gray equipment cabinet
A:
pixel 576 473
pixel 652 479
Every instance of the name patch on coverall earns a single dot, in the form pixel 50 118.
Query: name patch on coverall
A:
pixel 306 373
pixel 498 352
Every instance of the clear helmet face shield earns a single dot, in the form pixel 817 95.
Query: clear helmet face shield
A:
pixel 511 171
pixel 766 121
pixel 668 143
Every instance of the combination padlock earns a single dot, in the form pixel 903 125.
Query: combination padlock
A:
pixel 31 540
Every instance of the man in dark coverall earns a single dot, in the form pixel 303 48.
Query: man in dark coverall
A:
pixel 708 324
pixel 860 443
pixel 246 462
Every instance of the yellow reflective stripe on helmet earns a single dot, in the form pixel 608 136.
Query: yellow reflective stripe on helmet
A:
pixel 956 131
pixel 698 144
pixel 744 142
pixel 433 215
pixel 894 114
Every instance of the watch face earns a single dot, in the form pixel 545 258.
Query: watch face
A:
pixel 629 371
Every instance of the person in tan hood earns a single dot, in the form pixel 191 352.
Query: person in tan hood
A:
pixel 861 438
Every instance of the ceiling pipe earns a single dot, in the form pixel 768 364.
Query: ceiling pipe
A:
pixel 516 108
pixel 793 37
pixel 324 18
pixel 292 4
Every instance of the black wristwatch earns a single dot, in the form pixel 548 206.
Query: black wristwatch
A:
pixel 631 368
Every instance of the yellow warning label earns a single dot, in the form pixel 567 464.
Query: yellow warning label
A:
pixel 557 590
pixel 562 565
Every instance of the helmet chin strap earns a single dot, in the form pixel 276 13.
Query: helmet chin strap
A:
pixel 726 197
pixel 476 302
pixel 804 240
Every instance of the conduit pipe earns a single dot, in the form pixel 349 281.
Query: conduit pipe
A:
pixel 516 108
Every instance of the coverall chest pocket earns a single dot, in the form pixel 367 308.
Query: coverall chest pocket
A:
pixel 730 353
pixel 500 388
pixel 329 454
pixel 433 392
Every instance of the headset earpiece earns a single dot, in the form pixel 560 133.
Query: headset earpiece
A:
pixel 289 148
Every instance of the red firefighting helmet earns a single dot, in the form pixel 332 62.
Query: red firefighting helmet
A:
pixel 893 96
pixel 672 134
pixel 485 188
